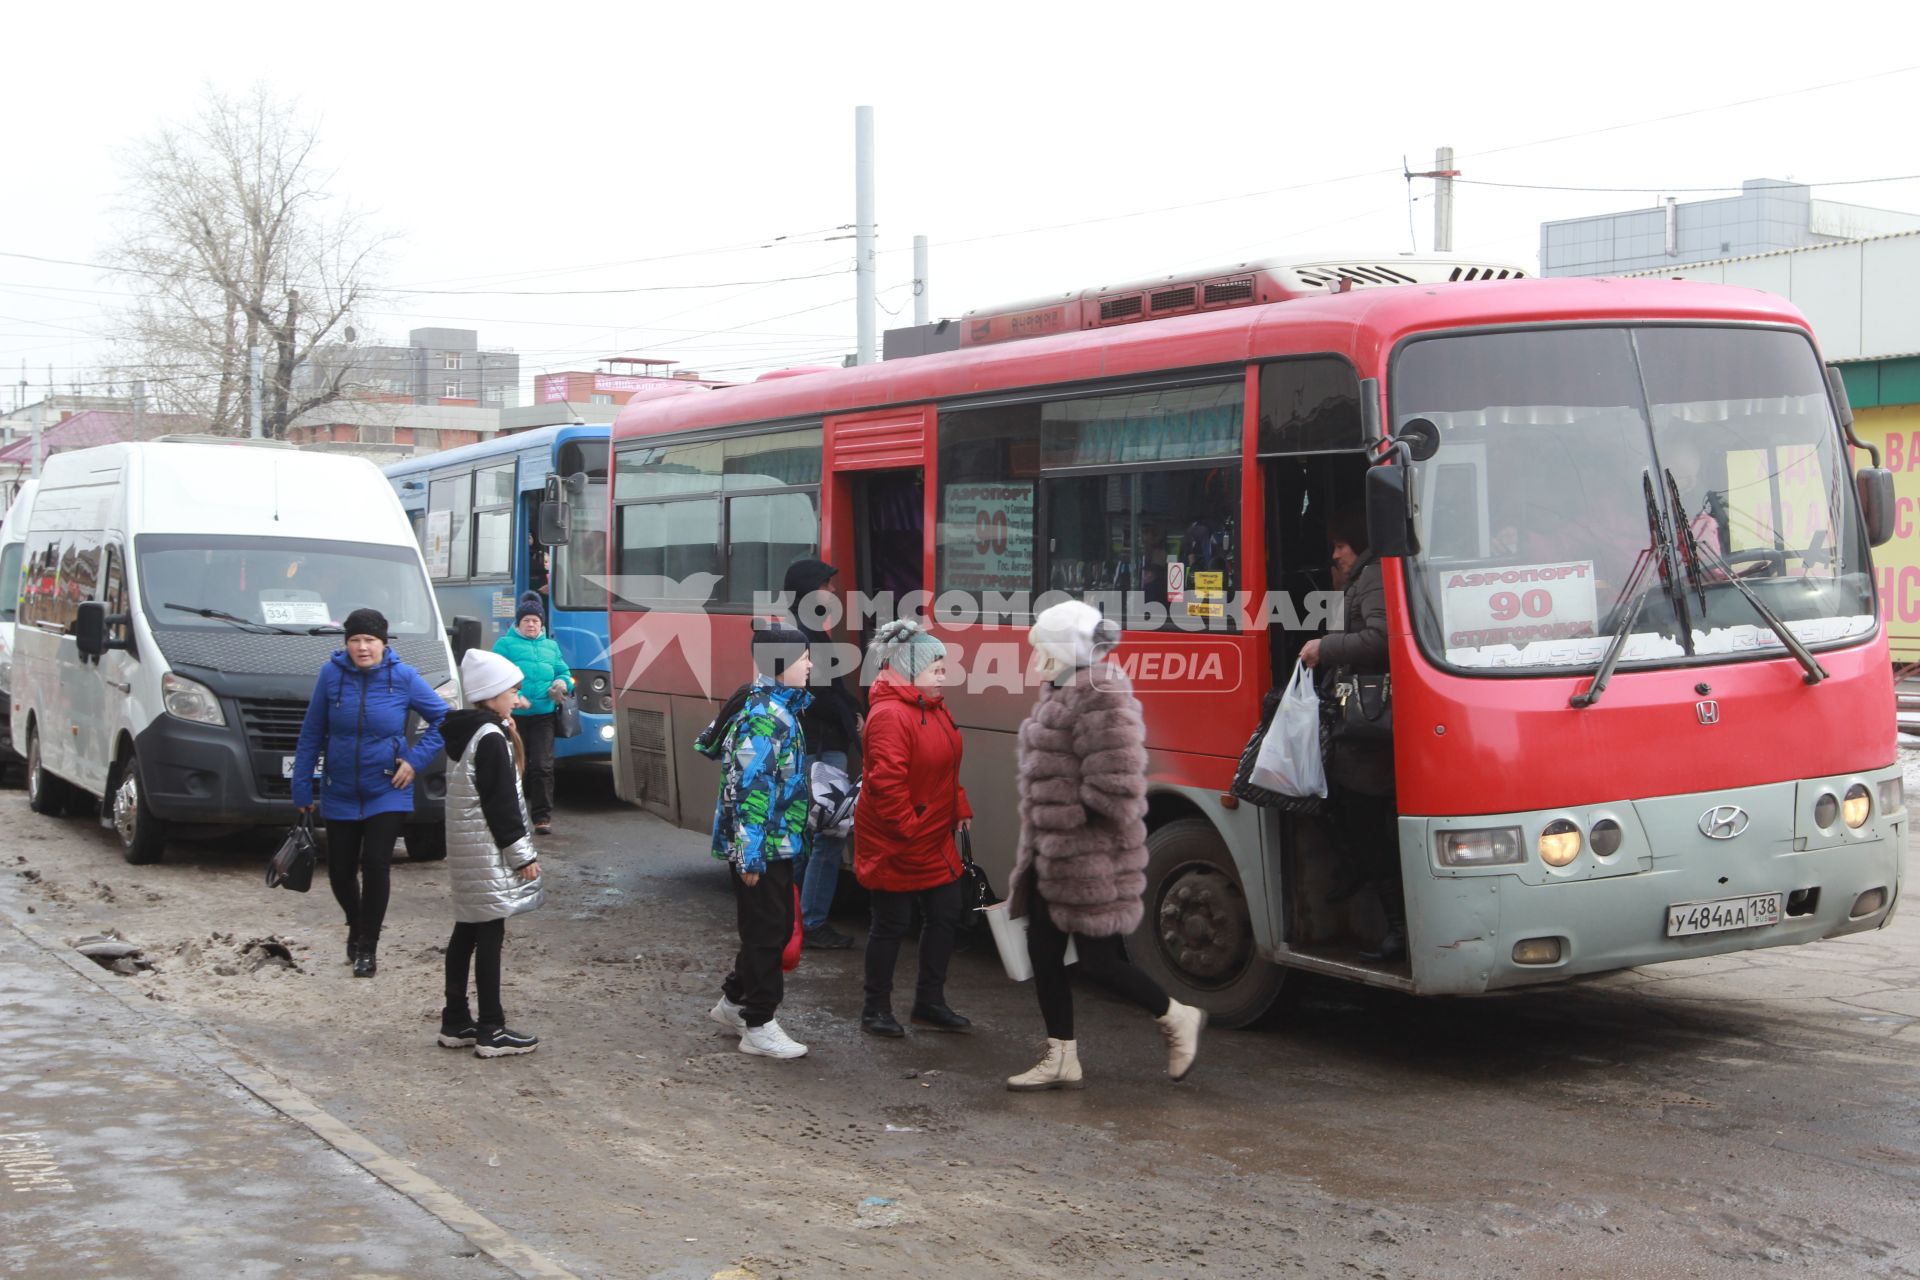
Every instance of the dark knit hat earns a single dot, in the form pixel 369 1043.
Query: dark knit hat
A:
pixel 366 622
pixel 776 646
pixel 530 603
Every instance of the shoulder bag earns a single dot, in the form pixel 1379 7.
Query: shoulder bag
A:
pixel 292 865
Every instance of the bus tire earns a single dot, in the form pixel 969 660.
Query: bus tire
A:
pixel 1196 938
pixel 46 794
pixel 142 839
pixel 426 841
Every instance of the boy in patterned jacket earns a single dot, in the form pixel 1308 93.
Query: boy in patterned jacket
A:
pixel 759 827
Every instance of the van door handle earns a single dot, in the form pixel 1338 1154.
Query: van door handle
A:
pixel 122 685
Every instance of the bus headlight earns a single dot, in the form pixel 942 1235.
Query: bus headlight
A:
pixel 1857 807
pixel 1559 843
pixel 1606 837
pixel 1893 795
pixel 1825 810
pixel 190 700
pixel 1481 847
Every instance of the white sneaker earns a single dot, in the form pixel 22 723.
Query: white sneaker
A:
pixel 729 1015
pixel 769 1041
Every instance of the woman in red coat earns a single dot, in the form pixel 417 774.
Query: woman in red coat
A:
pixel 910 802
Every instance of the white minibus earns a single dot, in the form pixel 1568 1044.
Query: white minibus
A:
pixel 13 535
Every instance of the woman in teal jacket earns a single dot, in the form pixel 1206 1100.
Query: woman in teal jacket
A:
pixel 546 677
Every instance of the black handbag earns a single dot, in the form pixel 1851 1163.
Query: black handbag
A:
pixel 1365 710
pixel 976 891
pixel 566 716
pixel 292 864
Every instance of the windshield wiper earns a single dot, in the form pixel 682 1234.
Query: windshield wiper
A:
pixel 1689 544
pixel 1815 673
pixel 221 615
pixel 1656 547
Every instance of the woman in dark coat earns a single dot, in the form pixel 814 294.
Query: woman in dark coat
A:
pixel 1080 871
pixel 357 721
pixel 1360 775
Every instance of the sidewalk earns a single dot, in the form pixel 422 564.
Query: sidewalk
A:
pixel 126 1149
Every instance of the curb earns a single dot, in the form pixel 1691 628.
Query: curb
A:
pixel 217 1052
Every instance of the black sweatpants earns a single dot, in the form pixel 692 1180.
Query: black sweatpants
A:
pixel 1102 959
pixel 1370 829
pixel 764 912
pixel 475 946
pixel 892 918
pixel 537 733
pixel 359 866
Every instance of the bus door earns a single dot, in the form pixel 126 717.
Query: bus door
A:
pixel 876 518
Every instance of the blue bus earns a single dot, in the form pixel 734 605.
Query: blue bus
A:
pixel 476 510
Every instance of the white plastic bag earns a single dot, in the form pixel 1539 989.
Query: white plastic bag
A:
pixel 1010 938
pixel 1289 761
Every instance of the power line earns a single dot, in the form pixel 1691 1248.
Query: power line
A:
pixel 1541 186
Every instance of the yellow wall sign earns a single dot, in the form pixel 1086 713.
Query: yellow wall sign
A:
pixel 1896 430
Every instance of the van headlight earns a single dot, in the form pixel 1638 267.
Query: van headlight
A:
pixel 1481 847
pixel 449 692
pixel 190 700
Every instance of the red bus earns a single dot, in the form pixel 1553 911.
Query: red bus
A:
pixel 1642 702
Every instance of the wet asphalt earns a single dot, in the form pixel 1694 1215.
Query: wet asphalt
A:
pixel 1753 1114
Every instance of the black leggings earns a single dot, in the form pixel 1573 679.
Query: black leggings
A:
pixel 892 920
pixel 1102 959
pixel 476 945
pixel 359 861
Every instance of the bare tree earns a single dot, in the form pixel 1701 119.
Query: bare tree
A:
pixel 236 243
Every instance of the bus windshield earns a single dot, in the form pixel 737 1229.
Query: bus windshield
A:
pixel 580 564
pixel 1591 476
pixel 285 583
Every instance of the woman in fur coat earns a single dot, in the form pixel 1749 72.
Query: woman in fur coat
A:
pixel 1081 867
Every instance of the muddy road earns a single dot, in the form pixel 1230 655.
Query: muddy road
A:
pixel 1726 1117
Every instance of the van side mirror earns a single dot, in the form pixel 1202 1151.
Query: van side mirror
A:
pixel 1389 515
pixel 93 630
pixel 466 635
pixel 1877 503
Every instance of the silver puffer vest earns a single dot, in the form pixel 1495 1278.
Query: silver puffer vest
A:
pixel 482 875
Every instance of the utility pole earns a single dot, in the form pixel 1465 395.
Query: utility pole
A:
pixel 863 232
pixel 253 392
pixel 1443 173
pixel 921 305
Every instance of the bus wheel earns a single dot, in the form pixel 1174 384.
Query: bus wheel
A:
pixel 1196 938
pixel 141 840
pixel 46 794
pixel 426 841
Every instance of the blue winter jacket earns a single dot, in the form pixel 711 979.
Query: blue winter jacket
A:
pixel 358 721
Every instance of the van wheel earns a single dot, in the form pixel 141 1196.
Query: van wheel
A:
pixel 1196 938
pixel 426 841
pixel 46 794
pixel 141 839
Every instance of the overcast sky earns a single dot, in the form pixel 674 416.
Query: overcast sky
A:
pixel 1043 147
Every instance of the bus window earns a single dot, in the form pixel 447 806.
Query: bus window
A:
pixel 786 459
pixel 989 472
pixel 493 495
pixel 667 471
pixel 765 533
pixel 448 527
pixel 673 540
pixel 1309 406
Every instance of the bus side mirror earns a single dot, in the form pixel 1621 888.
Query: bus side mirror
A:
pixel 556 523
pixel 466 635
pixel 1389 515
pixel 1877 503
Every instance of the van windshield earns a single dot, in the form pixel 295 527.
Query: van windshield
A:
pixel 287 583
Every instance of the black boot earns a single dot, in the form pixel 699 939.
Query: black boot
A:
pixel 364 964
pixel 353 946
pixel 939 1017
pixel 880 1022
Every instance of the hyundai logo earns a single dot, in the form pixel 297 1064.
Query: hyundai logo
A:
pixel 1723 822
pixel 1708 710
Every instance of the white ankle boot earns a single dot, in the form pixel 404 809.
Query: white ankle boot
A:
pixel 1181 1024
pixel 1060 1069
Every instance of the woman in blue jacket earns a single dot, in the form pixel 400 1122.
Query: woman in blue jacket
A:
pixel 357 722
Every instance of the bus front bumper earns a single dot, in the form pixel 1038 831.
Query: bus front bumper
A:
pixel 1486 929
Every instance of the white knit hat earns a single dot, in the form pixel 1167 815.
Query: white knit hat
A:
pixel 484 673
pixel 1069 636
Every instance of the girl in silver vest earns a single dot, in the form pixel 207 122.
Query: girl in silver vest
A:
pixel 492 867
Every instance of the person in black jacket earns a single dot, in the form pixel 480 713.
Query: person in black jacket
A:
pixel 832 725
pixel 1360 775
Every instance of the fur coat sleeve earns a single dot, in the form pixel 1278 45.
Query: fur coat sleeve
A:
pixel 1083 804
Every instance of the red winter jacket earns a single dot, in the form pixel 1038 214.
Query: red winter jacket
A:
pixel 910 793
